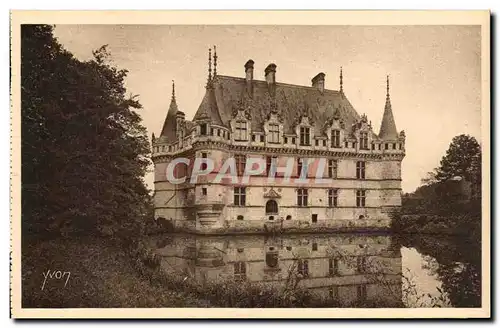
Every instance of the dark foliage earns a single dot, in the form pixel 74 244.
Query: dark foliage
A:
pixel 454 188
pixel 84 150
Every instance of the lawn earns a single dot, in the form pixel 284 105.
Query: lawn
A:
pixel 94 272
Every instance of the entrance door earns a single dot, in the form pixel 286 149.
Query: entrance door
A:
pixel 271 209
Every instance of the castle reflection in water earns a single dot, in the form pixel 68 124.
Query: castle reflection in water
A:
pixel 349 269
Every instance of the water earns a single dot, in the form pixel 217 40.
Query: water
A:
pixel 351 270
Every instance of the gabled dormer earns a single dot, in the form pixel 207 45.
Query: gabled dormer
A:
pixel 363 133
pixel 273 126
pixel 304 129
pixel 335 130
pixel 241 122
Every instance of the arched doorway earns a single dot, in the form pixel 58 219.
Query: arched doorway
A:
pixel 271 207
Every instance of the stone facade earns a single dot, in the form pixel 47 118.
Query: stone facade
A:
pixel 244 119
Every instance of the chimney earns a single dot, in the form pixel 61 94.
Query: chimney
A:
pixel 249 76
pixel 270 74
pixel 318 82
pixel 249 70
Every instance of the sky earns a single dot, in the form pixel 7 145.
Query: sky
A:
pixel 435 72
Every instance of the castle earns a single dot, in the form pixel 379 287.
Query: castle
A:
pixel 244 118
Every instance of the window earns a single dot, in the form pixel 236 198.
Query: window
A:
pixel 204 191
pixel 269 163
pixel 218 133
pixel 302 197
pixel 333 267
pixel 363 140
pixel 288 217
pixel 379 146
pixel 324 143
pixel 285 140
pixel 240 164
pixel 354 145
pixel 240 218
pixel 361 291
pixel 213 131
pixel 360 170
pixel 400 146
pixel 361 264
pixel 240 250
pixel 315 246
pixel 240 131
pixel 300 167
pixel 393 146
pixel 360 198
pixel 332 168
pixel 305 136
pixel 346 144
pixel 386 146
pixel 240 196
pixel 274 133
pixel 293 141
pixel 271 218
pixel 203 129
pixel 314 218
pixel 373 146
pixel 204 164
pixel 253 137
pixel 240 271
pixel 303 267
pixel 333 195
pixel 271 207
pixel 261 138
pixel 288 248
pixel 336 138
pixel 317 142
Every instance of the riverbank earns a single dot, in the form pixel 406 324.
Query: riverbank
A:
pixel 466 224
pixel 99 273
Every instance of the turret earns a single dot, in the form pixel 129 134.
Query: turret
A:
pixel 388 129
pixel 169 130
pixel 208 112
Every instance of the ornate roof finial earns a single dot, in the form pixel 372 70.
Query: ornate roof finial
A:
pixel 341 81
pixel 215 61
pixel 209 64
pixel 387 87
pixel 173 90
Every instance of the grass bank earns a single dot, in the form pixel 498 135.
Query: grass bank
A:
pixel 101 274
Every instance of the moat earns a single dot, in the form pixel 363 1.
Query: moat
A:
pixel 350 270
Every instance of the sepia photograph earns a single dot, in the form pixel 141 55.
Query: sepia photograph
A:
pixel 240 165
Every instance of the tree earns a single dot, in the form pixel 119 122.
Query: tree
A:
pixel 463 158
pixel 84 150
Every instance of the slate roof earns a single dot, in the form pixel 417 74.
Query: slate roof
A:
pixel 224 94
pixel 388 129
pixel 169 129
pixel 291 101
